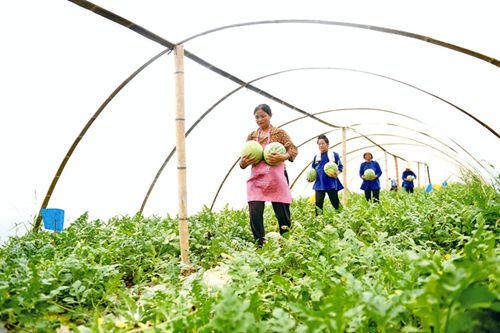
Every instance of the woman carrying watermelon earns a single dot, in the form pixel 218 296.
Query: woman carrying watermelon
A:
pixel 408 178
pixel 370 172
pixel 327 166
pixel 268 180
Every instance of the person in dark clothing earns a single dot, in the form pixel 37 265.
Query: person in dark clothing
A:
pixel 325 184
pixel 370 186
pixel 268 182
pixel 408 178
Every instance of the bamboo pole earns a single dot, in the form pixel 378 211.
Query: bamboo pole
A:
pixel 386 172
pixel 344 162
pixel 418 174
pixel 397 173
pixel 425 173
pixel 181 152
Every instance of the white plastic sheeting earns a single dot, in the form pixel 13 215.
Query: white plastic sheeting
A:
pixel 64 61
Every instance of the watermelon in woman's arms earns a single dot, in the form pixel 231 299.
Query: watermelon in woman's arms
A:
pixel 369 174
pixel 253 149
pixel 331 169
pixel 311 175
pixel 273 147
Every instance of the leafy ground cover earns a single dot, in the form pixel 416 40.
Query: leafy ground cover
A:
pixel 426 262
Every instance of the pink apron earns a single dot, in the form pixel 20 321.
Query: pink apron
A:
pixel 268 183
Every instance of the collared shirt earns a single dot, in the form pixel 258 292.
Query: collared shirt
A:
pixel 324 182
pixel 277 135
pixel 370 184
pixel 406 183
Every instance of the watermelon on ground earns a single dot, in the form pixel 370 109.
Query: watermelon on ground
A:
pixel 273 235
pixel 273 147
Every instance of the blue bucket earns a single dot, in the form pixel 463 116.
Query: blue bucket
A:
pixel 53 219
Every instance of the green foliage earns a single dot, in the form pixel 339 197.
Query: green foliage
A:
pixel 426 262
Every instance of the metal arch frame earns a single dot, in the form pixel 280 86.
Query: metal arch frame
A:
pixel 389 135
pixel 148 34
pixel 124 22
pixel 378 159
pixel 417 145
pixel 389 111
pixel 414 87
pixel 234 164
pixel 359 26
pixel 411 144
pixel 150 61
pixel 370 146
pixel 493 176
pixel 361 136
pixel 303 117
pixel 151 36
pixel 84 130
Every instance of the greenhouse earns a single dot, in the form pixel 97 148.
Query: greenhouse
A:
pixel 131 199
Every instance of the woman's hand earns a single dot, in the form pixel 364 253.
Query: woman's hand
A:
pixel 247 160
pixel 276 158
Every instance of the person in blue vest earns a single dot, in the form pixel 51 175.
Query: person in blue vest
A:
pixel 370 186
pixel 408 178
pixel 325 184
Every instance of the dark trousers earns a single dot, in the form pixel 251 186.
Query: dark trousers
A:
pixel 368 195
pixel 256 210
pixel 409 189
pixel 333 194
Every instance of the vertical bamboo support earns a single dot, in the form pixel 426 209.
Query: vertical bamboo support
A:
pixel 344 162
pixel 397 172
pixel 425 172
pixel 181 152
pixel 386 172
pixel 418 174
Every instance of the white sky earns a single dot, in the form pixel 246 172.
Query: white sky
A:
pixel 60 62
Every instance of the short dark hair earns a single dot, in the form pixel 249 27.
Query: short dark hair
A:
pixel 322 136
pixel 364 155
pixel 264 107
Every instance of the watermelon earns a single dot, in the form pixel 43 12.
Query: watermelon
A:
pixel 273 147
pixel 217 277
pixel 273 236
pixel 410 178
pixel 331 169
pixel 253 149
pixel 369 174
pixel 311 175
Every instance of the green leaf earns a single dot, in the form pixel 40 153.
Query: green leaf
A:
pixel 477 296
pixel 69 300
pixel 281 322
pixel 55 308
pixel 461 322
